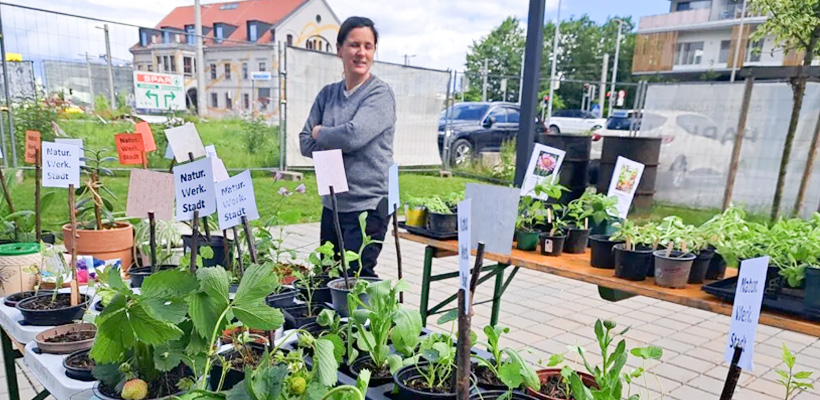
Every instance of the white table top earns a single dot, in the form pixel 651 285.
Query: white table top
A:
pixel 48 370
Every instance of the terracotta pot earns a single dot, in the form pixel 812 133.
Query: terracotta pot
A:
pixel 107 244
pixel 64 347
pixel 545 374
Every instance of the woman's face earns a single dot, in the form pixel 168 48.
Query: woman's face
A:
pixel 357 51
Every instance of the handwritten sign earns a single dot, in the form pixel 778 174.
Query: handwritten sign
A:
pixel 210 151
pixel 330 171
pixel 392 188
pixel 545 163
pixel 235 199
pixel 144 130
pixel 751 282
pixel 129 148
pixel 32 146
pixel 61 165
pixel 183 140
pixel 75 142
pixel 464 246
pixel 150 191
pixel 194 189
pixel 625 180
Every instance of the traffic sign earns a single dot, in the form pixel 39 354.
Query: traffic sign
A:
pixel 155 91
pixel 260 76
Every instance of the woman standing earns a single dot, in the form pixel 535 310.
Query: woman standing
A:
pixel 358 117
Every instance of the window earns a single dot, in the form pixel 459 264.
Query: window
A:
pixel 262 66
pixel 228 103
pixel 318 18
pixel 513 116
pixel 213 71
pixel 144 38
pixel 214 100
pixel 246 100
pixel 263 98
pixel 754 50
pixel 166 36
pixel 219 33
pixel 227 70
pixel 159 63
pixel 689 53
pixel 229 6
pixel 724 51
pixel 252 34
pixel 190 38
pixel 328 48
pixel 309 45
pixel 500 115
pixel 187 65
pixel 245 71
pixel 290 40
pixel 165 63
pixel 173 60
pixel 150 68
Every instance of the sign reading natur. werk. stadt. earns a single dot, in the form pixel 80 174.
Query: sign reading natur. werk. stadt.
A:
pixel 153 91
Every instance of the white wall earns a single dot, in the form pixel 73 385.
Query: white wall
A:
pixel 711 48
pixel 302 25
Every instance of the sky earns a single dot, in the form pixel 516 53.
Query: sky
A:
pixel 436 33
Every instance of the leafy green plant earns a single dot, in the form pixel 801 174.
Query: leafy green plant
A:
pixel 440 353
pixel 256 133
pixel 94 199
pixel 674 234
pixel 601 208
pixel 794 382
pixel 321 260
pixel 577 213
pixel 203 253
pixel 167 236
pixel 512 370
pixel 437 205
pixel 630 232
pixel 35 115
pixel 531 212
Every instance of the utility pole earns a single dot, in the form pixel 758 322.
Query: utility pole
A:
pixel 521 81
pixel 554 63
pixel 8 101
pixel 200 61
pixel 602 89
pixel 112 94
pixel 407 58
pixel 615 65
pixel 90 79
pixel 484 72
pixel 739 41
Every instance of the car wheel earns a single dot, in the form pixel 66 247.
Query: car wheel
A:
pixel 678 170
pixel 461 152
pixel 554 130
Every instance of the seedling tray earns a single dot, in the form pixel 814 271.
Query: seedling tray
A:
pixel 788 302
pixel 427 233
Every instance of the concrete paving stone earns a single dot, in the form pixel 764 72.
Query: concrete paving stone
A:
pixel 811 351
pixel 643 316
pixel 525 336
pixel 808 396
pixel 545 331
pixel 747 394
pixel 672 345
pixel 641 335
pixel 689 393
pixel 698 312
pixel 567 325
pixel 671 306
pixel 685 318
pixel 538 316
pixel 584 318
pixel 657 383
pixel 704 333
pixel 686 337
pixel 779 340
pixel 558 311
pixel 616 308
pixel 691 363
pixel 574 339
pixel 658 329
pixel 674 373
pixel 670 323
pixel 707 384
pixel 714 357
pixel 519 322
pixel 767 387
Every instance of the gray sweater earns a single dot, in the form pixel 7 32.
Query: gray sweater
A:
pixel 362 126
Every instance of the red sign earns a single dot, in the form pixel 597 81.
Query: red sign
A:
pixel 129 148
pixel 147 136
pixel 32 146
pixel 160 79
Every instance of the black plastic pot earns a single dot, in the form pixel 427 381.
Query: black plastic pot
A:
pixel 811 297
pixel 605 228
pixel 12 299
pixel 320 294
pixel 80 374
pixel 338 294
pixel 233 376
pixel 217 244
pixel 497 394
pixel 673 271
pixel 53 317
pixel 294 321
pixel 482 385
pixel 405 392
pixel 701 266
pixel 357 365
pixel 442 223
pixel 717 268
pixel 774 283
pixel 48 237
pixel 552 245
pixel 282 299
pixel 632 265
pixel 139 274
pixel 602 254
pixel 576 241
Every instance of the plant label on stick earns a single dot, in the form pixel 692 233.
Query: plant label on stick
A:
pixel 235 199
pixel 625 180
pixel 169 153
pixel 494 210
pixel 545 163
pixel 61 165
pixel 75 142
pixel 194 189
pixel 210 151
pixel 183 140
pixel 129 148
pixel 330 171
pixel 32 146
pixel 464 246
pixel 392 188
pixel 751 283
pixel 144 130
pixel 57 130
pixel 220 173
pixel 150 191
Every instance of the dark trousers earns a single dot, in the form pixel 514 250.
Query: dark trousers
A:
pixel 375 227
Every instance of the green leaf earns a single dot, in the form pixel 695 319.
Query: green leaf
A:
pixel 204 311
pixel 510 375
pixel 325 364
pixel 394 362
pixel 107 373
pixel 257 283
pixel 803 375
pixel 258 315
pixel 106 350
pixel 407 330
pixel 363 380
pixel 150 329
pixel 648 352
pixel 169 283
pixel 338 346
pixel 173 310
pixel 449 316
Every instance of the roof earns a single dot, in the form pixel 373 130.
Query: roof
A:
pixel 268 11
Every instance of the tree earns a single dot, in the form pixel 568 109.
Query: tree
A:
pixel 795 26
pixel 502 49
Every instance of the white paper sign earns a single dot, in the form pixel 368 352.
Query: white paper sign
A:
pixel 183 140
pixel 545 163
pixel 169 153
pixel 625 180
pixel 220 173
pixel 210 151
pixel 330 171
pixel 194 189
pixel 464 238
pixel 392 188
pixel 495 209
pixel 75 142
pixel 61 165
pixel 234 199
pixel 751 282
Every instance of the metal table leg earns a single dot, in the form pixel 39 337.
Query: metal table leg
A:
pixel 429 252
pixel 9 355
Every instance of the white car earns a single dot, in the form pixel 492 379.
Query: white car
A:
pixel 574 122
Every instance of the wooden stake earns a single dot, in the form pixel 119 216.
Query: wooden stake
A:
pixel 75 289
pixel 339 237
pixel 249 237
pixel 238 249
pixel 171 167
pixel 144 160
pixel 398 247
pixel 733 376
pixel 741 128
pixel 37 183
pixel 204 219
pixel 97 212
pixel 194 239
pixel 807 171
pixel 464 321
pixel 153 240
pixel 6 192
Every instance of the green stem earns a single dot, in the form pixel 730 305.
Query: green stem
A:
pixel 344 388
pixel 212 348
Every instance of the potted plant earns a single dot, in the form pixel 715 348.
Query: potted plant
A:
pixel 309 283
pixel 507 370
pixel 168 246
pixel 66 339
pixel 440 216
pixel 340 287
pixel 811 297
pixel 415 212
pixel 78 365
pixel 531 212
pixel 282 296
pixel 221 247
pixel 577 215
pixel 55 308
pixel 633 258
pixel 792 246
pixel 701 247
pixel 430 376
pixel 603 211
pixel 672 267
pixel 552 242
pixel 248 348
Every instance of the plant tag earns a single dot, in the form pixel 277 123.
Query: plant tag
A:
pixel 32 146
pixel 144 130
pixel 210 151
pixel 495 209
pixel 545 163
pixel 234 199
pixel 746 310
pixel 330 171
pixel 61 165
pixel 57 130
pixel 75 142
pixel 549 215
pixel 220 172
pixel 169 153
pixel 625 180
pixel 392 189
pixel 150 191
pixel 129 148
pixel 194 189
pixel 547 246
pixel 183 140
pixel 464 246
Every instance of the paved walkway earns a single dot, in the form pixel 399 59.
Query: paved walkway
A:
pixel 546 313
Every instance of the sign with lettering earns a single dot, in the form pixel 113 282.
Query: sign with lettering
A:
pixel 751 283
pixel 144 130
pixel 392 188
pixel 194 189
pixel 464 238
pixel 330 171
pixel 129 148
pixel 545 163
pixel 261 75
pixel 625 180
pixel 150 191
pixel 153 91
pixel 183 140
pixel 235 199
pixel 75 142
pixel 61 165
pixel 32 146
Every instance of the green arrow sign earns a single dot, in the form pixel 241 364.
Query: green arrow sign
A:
pixel 156 98
pixel 165 98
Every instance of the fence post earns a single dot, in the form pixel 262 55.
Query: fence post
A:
pixel 8 98
pixel 112 93
pixel 741 128
pixel 804 181
pixel 445 143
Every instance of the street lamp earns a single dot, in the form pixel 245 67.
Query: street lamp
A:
pixel 407 58
pixel 615 63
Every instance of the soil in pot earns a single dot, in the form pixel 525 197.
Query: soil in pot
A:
pixel 40 311
pixel 497 394
pixel 412 386
pixel 12 299
pixel 486 379
pixel 379 375
pixel 320 295
pixel 66 339
pixel 237 364
pixel 442 223
pixel 552 245
pixel 139 274
pixel 161 387
pixel 673 271
pixel 632 265
pixel 602 254
pixel 526 241
pixel 553 387
pixel 71 337
pixel 701 266
pixel 78 366
pixel 576 241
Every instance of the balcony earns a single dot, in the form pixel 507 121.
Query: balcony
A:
pixel 674 19
pixel 735 11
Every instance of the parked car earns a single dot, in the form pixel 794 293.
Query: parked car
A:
pixel 574 122
pixel 478 127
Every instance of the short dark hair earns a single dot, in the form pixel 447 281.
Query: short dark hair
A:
pixel 353 23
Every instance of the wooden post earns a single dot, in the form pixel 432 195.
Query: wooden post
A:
pixel 194 239
pixel 249 237
pixel 226 249
pixel 144 160
pixel 153 240
pixel 733 375
pixel 339 237
pixel 37 183
pixel 171 167
pixel 238 249
pixel 804 181
pixel 464 320
pixel 75 289
pixel 6 192
pixel 97 212
pixel 204 219
pixel 741 129
pixel 398 247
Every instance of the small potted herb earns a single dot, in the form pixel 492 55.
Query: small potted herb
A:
pixel 168 246
pixel 506 370
pixel 531 212
pixel 704 251
pixel 430 376
pixel 673 265
pixel 552 242
pixel 440 216
pixel 633 257
pixel 415 212
pixel 309 282
pixel 577 214
pixel 54 308
pixel 603 212
pixel 247 349
pixel 340 287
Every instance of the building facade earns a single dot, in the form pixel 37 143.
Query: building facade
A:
pixel 699 38
pixel 239 38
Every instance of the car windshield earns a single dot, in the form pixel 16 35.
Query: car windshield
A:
pixel 466 112
pixel 619 123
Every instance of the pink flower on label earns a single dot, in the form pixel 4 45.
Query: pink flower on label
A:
pixel 301 188
pixel 546 162
pixel 284 191
pixel 277 176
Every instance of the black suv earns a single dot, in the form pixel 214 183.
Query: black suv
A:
pixel 477 128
